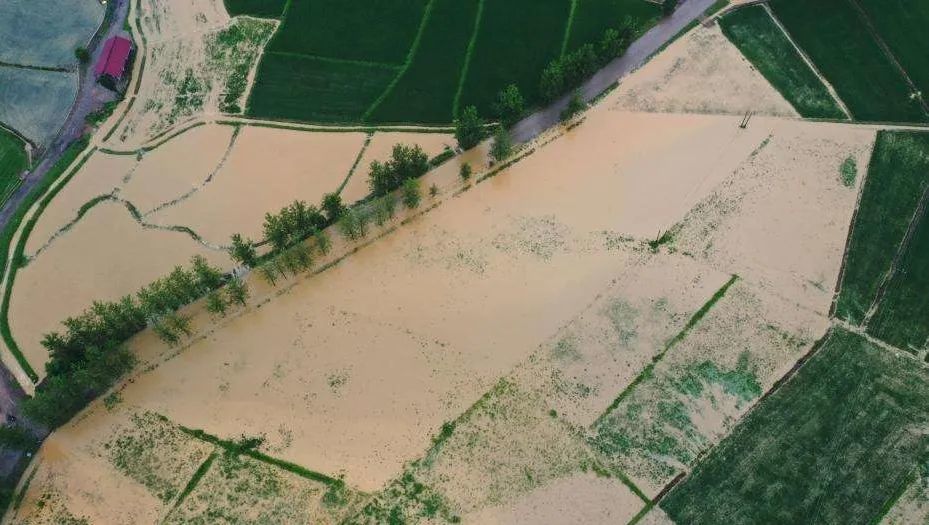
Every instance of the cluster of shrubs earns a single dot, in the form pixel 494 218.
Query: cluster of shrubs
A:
pixel 90 355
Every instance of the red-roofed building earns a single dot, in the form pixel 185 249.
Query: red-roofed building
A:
pixel 114 60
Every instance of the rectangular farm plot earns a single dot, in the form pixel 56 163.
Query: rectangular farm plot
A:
pixel 836 38
pixel 902 24
pixel 516 40
pixel 13 162
pixel 426 91
pixel 36 103
pixel 34 32
pixel 756 35
pixel 260 8
pixel 298 87
pixel 370 31
pixel 593 17
pixel 897 178
pixel 835 444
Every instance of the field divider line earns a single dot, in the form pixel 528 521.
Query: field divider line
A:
pixel 192 483
pixel 567 29
pixel 879 40
pixel 47 69
pixel 809 61
pixel 466 66
pixel 351 171
pixel 233 448
pixel 333 60
pixel 410 55
pixel 919 216
pixel 649 369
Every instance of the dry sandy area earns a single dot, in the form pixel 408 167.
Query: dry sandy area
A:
pixel 701 73
pixel 178 167
pixel 198 62
pixel 100 175
pixel 912 507
pixel 266 169
pixel 379 149
pixel 104 256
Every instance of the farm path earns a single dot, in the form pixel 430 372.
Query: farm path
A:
pixel 637 54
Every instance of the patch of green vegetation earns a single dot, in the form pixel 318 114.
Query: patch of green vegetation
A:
pixel 838 41
pixel 97 117
pixel 112 400
pixel 516 40
pixel 405 500
pixel 434 75
pixel 898 175
pixel 233 50
pixel 594 17
pixel 756 35
pixel 848 172
pixel 902 25
pixel 831 446
pixel 307 88
pixel 259 8
pixel 13 162
pixel 373 31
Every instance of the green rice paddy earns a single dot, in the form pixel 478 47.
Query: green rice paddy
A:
pixel 834 445
pixel 13 162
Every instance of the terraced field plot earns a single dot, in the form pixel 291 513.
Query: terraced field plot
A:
pixel 863 52
pixel 418 60
pixel 836 444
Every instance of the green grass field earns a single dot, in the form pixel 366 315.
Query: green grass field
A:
pixel 833 34
pixel 509 41
pixel 260 8
pixel 902 313
pixel 306 88
pixel 371 31
pixel 593 17
pixel 902 24
pixel 426 91
pixel 13 162
pixel 897 176
pixel 758 38
pixel 834 445
pixel 517 39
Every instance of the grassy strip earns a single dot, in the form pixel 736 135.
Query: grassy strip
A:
pixel 642 513
pixel 6 237
pixel 351 172
pixel 567 28
pixel 647 372
pixel 294 126
pixel 456 105
pixel 235 448
pixel 427 13
pixel 194 480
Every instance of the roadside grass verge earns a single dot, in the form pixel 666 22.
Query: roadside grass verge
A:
pixel 839 43
pixel 594 17
pixel 756 35
pixel 312 89
pixel 898 175
pixel 6 237
pixel 434 74
pixel 374 31
pixel 516 40
pixel 833 445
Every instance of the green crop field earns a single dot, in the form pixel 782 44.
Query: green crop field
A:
pixel 306 88
pixel 835 444
pixel 902 24
pixel 370 31
pixel 260 8
pixel 837 39
pixel 440 51
pixel 13 161
pixel 758 38
pixel 509 52
pixel 593 17
pixel 897 176
pixel 435 72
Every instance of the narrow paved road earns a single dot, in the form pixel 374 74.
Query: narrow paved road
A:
pixel 640 50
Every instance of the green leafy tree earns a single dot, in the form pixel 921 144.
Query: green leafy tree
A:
pixel 465 172
pixel 243 251
pixel 433 191
pixel 384 209
pixel 208 277
pixel 15 437
pixel 510 105
pixel 502 146
pixel 276 231
pixel 575 105
pixel 216 304
pixel 323 244
pixel 269 272
pixel 353 224
pixel 406 162
pixel 410 194
pixel 332 206
pixel 552 84
pixel 469 128
pixel 237 291
pixel 82 55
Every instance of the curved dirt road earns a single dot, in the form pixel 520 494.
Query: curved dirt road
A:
pixel 640 51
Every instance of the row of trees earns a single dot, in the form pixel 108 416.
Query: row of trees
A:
pixel 89 355
pixel 406 162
